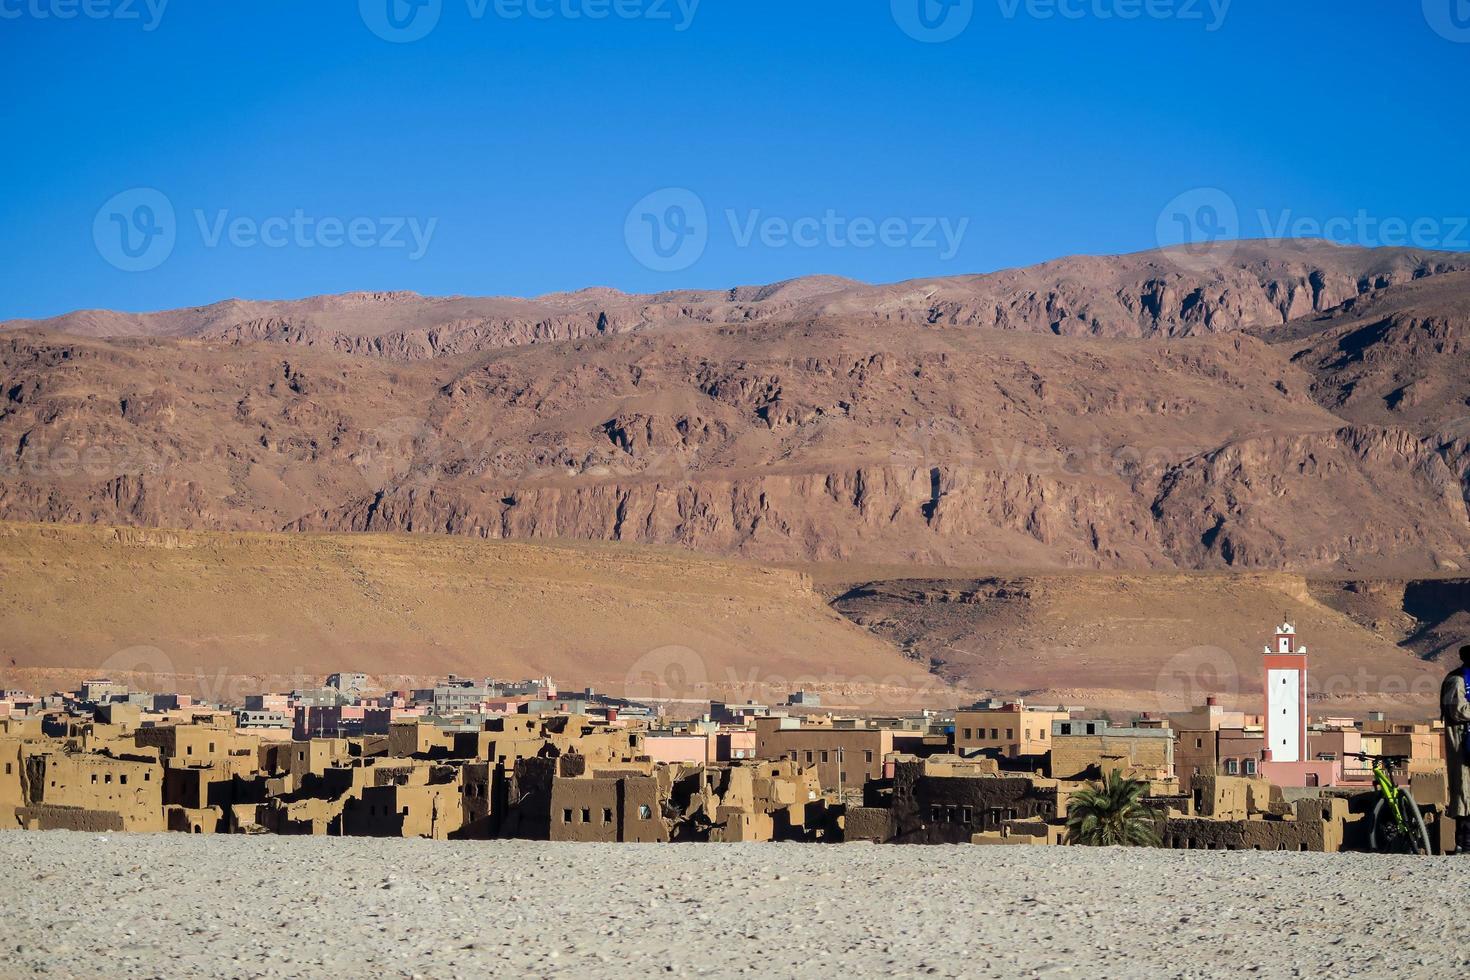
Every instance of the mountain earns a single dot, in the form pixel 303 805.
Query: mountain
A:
pixel 1028 482
pixel 1131 413
pixel 1167 293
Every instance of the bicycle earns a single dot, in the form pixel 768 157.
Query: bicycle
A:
pixel 1398 826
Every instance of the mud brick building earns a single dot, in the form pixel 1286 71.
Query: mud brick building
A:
pixel 945 800
pixel 843 756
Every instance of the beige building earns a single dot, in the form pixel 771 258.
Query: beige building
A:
pixel 66 791
pixel 1090 749
pixel 1011 730
pixel 841 756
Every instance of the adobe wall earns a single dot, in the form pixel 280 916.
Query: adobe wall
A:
pixel 46 817
pixel 950 810
pixel 868 823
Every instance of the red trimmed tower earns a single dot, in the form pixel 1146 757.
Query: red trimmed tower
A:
pixel 1286 698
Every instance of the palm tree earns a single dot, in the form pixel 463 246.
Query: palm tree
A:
pixel 1110 813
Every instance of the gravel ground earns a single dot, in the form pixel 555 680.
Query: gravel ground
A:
pixel 172 905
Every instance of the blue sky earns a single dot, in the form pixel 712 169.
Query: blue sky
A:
pixel 526 146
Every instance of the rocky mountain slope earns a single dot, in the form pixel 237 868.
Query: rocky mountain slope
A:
pixel 1293 406
pixel 1168 293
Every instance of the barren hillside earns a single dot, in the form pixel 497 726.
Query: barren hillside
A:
pixel 1161 641
pixel 230 614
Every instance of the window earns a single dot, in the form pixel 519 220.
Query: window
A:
pixel 7 768
pixel 1250 767
pixel 566 816
pixel 211 746
pixel 606 815
pixel 107 779
pixel 147 777
pixel 586 815
pixel 1066 729
pixel 967 733
pixel 1199 743
pixel 403 812
pixel 808 756
pixel 824 755
pixel 94 777
pixel 189 750
pixel 1232 767
pixel 644 812
pixel 868 756
pixel 1010 733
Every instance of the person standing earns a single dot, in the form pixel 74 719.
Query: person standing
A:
pixel 1454 708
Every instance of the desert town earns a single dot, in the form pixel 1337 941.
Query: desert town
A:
pixel 472 760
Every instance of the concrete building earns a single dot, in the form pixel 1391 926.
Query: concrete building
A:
pixel 246 719
pixel 729 713
pixel 1086 749
pixel 1010 730
pixel 353 685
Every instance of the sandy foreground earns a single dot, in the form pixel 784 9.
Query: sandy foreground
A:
pixel 170 905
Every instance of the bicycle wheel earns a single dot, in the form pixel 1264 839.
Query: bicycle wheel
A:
pixel 1418 833
pixel 1384 832
pixel 1387 836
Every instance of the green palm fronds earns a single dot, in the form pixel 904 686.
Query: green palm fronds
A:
pixel 1111 814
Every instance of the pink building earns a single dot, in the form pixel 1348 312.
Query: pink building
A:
pixel 733 744
pixel 677 747
pixel 1335 745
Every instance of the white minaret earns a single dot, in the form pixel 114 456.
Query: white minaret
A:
pixel 1286 697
